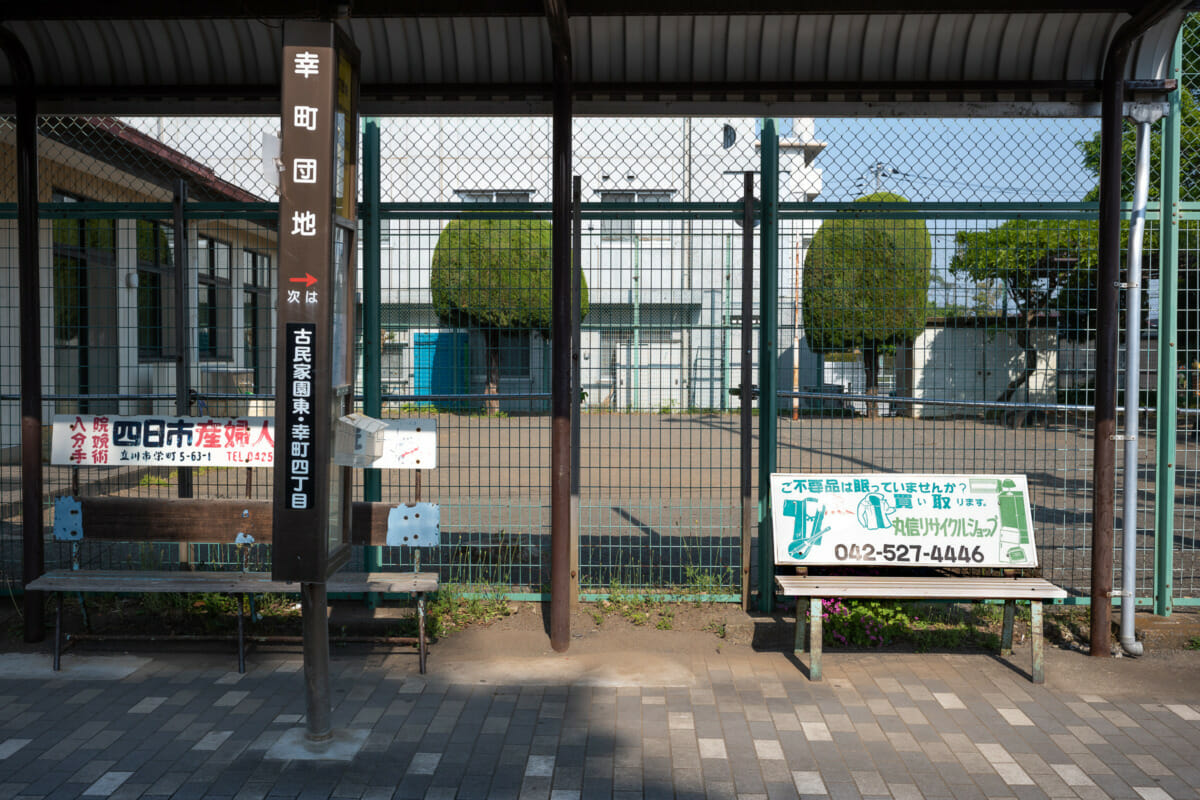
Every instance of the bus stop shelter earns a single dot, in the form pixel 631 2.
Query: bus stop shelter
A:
pixel 663 57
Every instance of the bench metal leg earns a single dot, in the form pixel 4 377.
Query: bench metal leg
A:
pixel 816 634
pixel 241 635
pixel 801 644
pixel 1006 634
pixel 1038 671
pixel 58 633
pixel 421 631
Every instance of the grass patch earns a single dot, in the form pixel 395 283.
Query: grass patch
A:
pixel 455 607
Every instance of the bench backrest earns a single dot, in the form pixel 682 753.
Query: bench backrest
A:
pixel 902 520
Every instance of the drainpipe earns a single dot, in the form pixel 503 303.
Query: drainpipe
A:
pixel 1104 459
pixel 32 556
pixel 1143 115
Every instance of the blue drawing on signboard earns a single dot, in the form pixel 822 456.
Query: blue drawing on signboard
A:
pixel 806 528
pixel 875 512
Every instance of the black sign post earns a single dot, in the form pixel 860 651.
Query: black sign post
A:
pixel 315 307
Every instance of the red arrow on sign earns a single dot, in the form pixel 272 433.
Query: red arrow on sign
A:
pixel 308 280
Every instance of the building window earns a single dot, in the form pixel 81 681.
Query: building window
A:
pixel 214 299
pixel 86 310
pixel 614 229
pixel 256 308
pixel 494 195
pixel 155 291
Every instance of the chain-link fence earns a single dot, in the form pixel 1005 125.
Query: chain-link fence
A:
pixel 935 285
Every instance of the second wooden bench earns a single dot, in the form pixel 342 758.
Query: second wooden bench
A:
pixel 889 522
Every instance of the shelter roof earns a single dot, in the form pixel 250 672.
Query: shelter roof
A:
pixel 651 57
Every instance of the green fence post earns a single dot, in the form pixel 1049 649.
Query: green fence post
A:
pixel 768 400
pixel 1168 355
pixel 371 327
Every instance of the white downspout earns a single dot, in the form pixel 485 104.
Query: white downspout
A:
pixel 1143 116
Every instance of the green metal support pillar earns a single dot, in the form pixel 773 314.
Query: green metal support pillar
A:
pixel 371 324
pixel 1168 352
pixel 768 400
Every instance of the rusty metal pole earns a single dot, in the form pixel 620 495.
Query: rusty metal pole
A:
pixel 1104 457
pixel 576 374
pixel 33 559
pixel 1107 322
pixel 183 342
pixel 560 335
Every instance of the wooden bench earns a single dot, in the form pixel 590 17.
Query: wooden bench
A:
pixel 809 632
pixel 194 521
pixel 234 583
pixel 869 525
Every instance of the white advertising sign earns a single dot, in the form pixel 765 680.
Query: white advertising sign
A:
pixel 99 440
pixel 390 444
pixel 903 519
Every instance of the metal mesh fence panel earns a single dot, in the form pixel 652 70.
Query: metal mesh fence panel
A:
pixel 113 319
pixel 987 371
pixel 1004 308
pixel 1185 527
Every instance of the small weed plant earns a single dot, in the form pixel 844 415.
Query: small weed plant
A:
pixel 633 607
pixel 454 607
pixel 151 479
pixel 699 582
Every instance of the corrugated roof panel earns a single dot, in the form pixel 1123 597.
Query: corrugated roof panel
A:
pixel 1151 54
pixel 632 54
pixel 813 43
pixel 915 32
pixel 1084 53
pixel 877 43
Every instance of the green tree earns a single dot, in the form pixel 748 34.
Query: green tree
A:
pixel 1189 121
pixel 866 284
pixel 1188 301
pixel 1044 266
pixel 494 275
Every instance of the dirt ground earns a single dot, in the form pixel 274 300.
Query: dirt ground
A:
pixel 606 645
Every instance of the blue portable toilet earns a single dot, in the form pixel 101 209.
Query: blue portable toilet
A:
pixel 440 363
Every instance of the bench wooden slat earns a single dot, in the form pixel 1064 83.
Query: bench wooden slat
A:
pixel 161 581
pixel 916 588
pixel 207 520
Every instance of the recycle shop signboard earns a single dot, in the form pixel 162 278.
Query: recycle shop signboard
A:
pixel 903 520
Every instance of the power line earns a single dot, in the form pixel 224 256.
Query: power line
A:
pixel 882 171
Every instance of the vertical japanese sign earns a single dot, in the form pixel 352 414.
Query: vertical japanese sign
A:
pixel 317 209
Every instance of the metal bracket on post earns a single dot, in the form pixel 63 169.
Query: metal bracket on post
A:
pixel 1146 113
pixel 1148 101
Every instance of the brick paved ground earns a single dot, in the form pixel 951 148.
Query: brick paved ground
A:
pixel 599 723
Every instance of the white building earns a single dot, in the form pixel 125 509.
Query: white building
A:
pixel 108 303
pixel 663 330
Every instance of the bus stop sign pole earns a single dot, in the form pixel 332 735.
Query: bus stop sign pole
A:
pixel 315 330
